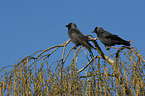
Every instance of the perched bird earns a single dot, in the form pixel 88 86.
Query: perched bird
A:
pixel 109 39
pixel 77 37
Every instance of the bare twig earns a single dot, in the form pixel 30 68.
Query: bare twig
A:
pixel 87 64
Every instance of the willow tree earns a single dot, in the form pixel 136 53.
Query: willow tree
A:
pixel 56 71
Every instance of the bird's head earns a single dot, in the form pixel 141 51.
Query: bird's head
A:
pixel 71 25
pixel 98 29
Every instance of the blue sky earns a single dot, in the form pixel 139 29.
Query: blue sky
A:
pixel 27 26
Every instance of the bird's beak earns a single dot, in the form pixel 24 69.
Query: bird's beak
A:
pixel 66 25
pixel 93 31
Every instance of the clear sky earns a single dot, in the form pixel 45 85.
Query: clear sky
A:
pixel 27 26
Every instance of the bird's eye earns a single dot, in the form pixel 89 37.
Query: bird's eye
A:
pixel 96 28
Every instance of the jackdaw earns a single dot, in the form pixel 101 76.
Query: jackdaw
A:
pixel 109 39
pixel 78 38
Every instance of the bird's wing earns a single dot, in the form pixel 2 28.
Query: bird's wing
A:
pixel 108 35
pixel 77 35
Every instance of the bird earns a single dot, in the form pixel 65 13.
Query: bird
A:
pixel 77 37
pixel 109 39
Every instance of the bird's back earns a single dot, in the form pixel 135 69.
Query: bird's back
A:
pixel 74 35
pixel 109 39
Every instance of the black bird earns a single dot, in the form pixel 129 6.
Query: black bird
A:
pixel 77 37
pixel 109 39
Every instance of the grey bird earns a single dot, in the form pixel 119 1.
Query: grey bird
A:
pixel 77 37
pixel 109 39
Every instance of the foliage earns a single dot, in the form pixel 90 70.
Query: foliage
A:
pixel 120 73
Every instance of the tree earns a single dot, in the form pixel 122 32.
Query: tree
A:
pixel 54 71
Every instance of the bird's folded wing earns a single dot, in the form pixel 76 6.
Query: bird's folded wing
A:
pixel 78 35
pixel 112 37
pixel 81 38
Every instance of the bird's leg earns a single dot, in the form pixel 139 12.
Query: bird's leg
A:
pixel 108 47
pixel 75 47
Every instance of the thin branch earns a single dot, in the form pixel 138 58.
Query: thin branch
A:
pixel 68 53
pixel 106 58
pixel 87 64
pixel 49 49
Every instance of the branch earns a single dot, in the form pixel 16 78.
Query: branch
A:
pixel 106 58
pixel 87 64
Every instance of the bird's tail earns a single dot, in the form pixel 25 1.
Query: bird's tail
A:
pixel 90 51
pixel 127 43
pixel 123 42
pixel 89 47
